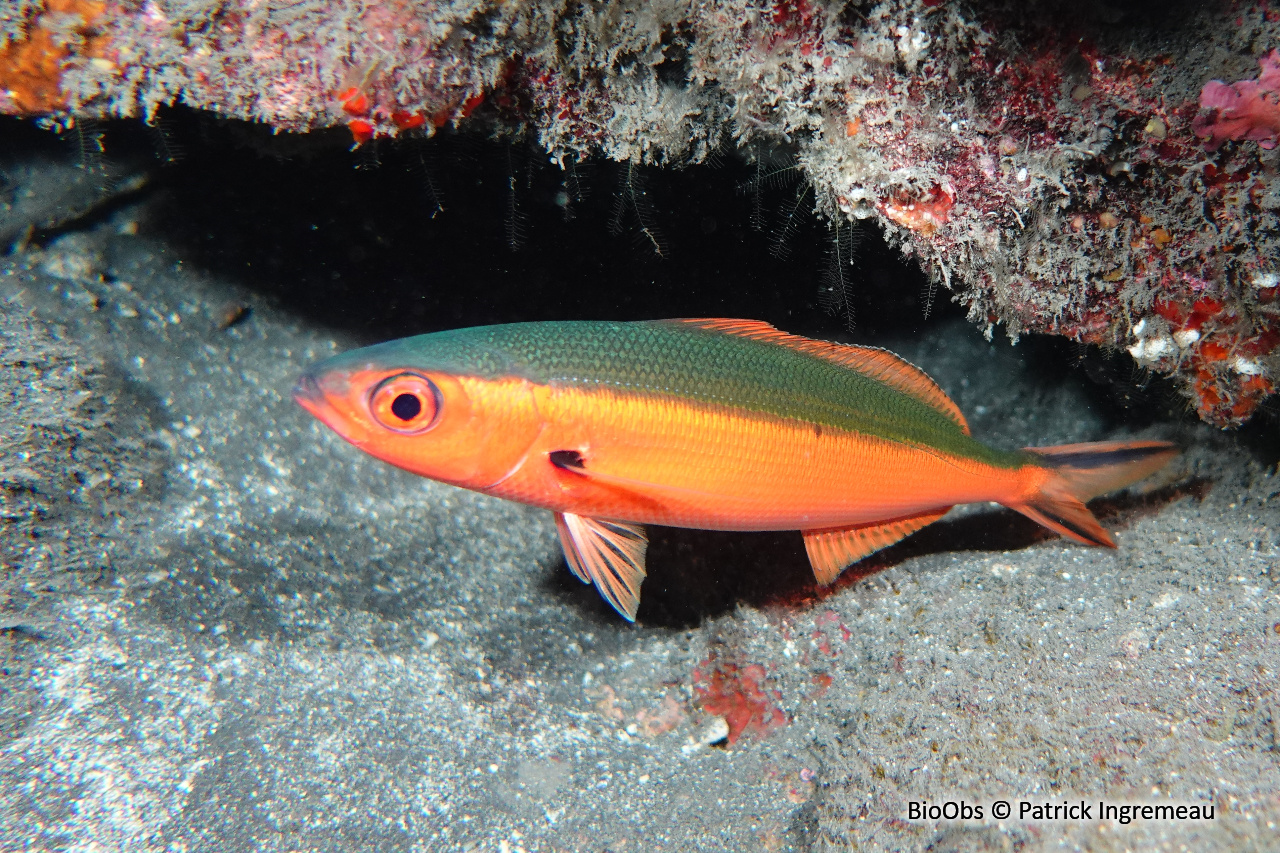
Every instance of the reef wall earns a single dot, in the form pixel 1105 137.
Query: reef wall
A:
pixel 1103 171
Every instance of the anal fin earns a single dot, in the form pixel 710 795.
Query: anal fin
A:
pixel 833 550
pixel 609 554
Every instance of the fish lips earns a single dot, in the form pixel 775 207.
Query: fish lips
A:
pixel 308 395
pixel 311 395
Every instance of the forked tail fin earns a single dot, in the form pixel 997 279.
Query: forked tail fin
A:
pixel 1079 472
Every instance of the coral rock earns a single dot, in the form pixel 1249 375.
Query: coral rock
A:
pixel 1054 166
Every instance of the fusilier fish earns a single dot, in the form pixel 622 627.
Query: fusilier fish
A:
pixel 709 423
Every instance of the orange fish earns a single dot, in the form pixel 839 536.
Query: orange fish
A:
pixel 712 424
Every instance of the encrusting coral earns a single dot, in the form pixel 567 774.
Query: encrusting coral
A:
pixel 1075 169
pixel 1249 109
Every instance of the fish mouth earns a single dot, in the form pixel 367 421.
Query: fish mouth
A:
pixel 308 395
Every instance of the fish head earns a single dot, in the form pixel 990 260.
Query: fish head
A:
pixel 429 406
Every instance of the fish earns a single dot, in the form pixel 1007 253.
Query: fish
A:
pixel 716 424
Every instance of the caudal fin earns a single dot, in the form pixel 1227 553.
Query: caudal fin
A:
pixel 1079 472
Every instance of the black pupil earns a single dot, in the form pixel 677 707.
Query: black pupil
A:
pixel 406 407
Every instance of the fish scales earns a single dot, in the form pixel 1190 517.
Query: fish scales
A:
pixel 662 357
pixel 716 424
pixel 716 466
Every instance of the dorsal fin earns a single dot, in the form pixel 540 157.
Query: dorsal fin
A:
pixel 878 364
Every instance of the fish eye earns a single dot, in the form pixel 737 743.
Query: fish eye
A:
pixel 406 403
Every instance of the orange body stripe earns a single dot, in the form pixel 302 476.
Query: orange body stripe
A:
pixel 656 460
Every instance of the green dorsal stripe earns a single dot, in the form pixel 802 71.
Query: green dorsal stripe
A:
pixel 701 366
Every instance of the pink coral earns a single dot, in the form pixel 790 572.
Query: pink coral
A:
pixel 738 694
pixel 1249 109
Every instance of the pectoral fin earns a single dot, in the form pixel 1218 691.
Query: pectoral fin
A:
pixel 833 550
pixel 609 554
